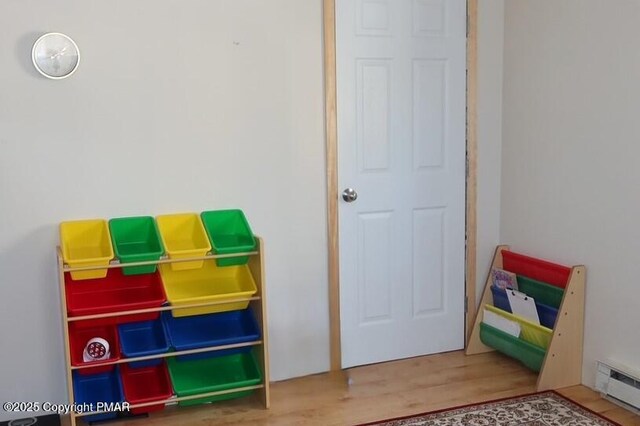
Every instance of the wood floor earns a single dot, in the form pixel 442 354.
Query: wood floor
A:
pixel 382 391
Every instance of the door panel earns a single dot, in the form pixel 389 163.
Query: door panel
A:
pixel 428 262
pixel 429 107
pixel 373 120
pixel 374 286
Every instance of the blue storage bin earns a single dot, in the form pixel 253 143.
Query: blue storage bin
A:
pixel 201 331
pixel 547 314
pixel 142 339
pixel 94 388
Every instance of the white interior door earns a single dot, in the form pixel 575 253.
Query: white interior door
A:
pixel 401 74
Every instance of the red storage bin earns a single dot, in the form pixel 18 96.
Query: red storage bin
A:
pixel 78 338
pixel 147 384
pixel 537 269
pixel 114 293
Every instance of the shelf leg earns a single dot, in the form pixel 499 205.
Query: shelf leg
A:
pixel 562 365
pixel 256 265
pixel 474 345
pixel 65 332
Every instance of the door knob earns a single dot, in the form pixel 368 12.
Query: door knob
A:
pixel 349 195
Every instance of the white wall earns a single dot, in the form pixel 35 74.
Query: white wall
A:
pixel 570 155
pixel 176 106
pixel 490 57
pixel 182 107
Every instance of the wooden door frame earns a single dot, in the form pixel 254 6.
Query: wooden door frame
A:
pixel 331 122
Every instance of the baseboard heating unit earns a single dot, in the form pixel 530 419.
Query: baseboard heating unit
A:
pixel 619 384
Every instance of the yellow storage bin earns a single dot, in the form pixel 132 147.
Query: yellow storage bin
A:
pixel 86 243
pixel 207 284
pixel 530 332
pixel 183 236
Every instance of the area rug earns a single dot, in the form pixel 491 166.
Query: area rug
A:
pixel 538 409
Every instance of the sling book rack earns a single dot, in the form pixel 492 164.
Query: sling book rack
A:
pixel 556 354
pixel 257 303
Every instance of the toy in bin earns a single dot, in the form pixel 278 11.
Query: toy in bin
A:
pixel 96 349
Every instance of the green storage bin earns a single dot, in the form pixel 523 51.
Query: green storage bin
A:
pixel 136 239
pixel 530 355
pixel 544 293
pixel 214 374
pixel 229 232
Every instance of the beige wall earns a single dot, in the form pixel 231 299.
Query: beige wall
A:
pixel 176 106
pixel 181 106
pixel 570 155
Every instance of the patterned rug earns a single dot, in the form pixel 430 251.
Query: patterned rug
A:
pixel 539 409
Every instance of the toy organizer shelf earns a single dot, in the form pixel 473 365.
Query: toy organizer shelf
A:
pixel 555 353
pixel 102 374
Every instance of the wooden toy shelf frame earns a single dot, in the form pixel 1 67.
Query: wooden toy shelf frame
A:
pixel 257 302
pixel 562 365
